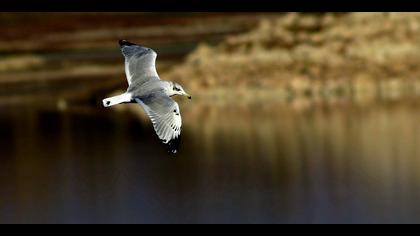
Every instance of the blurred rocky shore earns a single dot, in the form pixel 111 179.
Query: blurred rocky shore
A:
pixel 268 55
pixel 313 55
pixel 75 56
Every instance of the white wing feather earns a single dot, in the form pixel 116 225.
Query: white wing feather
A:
pixel 140 63
pixel 165 116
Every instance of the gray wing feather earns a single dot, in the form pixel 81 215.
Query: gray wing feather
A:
pixel 140 63
pixel 165 116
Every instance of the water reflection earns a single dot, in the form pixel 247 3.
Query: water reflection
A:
pixel 260 162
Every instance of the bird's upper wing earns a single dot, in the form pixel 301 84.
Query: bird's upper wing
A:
pixel 139 63
pixel 165 116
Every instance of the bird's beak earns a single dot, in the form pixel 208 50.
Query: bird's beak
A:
pixel 188 96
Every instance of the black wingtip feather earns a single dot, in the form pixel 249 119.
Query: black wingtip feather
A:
pixel 124 42
pixel 173 145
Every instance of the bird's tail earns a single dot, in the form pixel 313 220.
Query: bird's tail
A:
pixel 123 98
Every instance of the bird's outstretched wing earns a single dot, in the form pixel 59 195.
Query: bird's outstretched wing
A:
pixel 166 118
pixel 139 63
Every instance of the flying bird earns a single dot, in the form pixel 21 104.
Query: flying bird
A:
pixel 153 94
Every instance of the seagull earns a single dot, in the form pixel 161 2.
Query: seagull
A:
pixel 153 94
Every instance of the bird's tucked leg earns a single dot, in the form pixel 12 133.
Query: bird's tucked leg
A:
pixel 123 98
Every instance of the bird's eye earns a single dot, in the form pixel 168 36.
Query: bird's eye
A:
pixel 177 89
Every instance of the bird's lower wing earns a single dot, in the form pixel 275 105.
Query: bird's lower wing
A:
pixel 166 118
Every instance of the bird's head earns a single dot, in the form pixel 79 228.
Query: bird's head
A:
pixel 178 90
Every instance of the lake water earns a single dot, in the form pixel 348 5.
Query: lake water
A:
pixel 268 162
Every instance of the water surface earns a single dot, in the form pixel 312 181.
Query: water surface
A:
pixel 275 162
